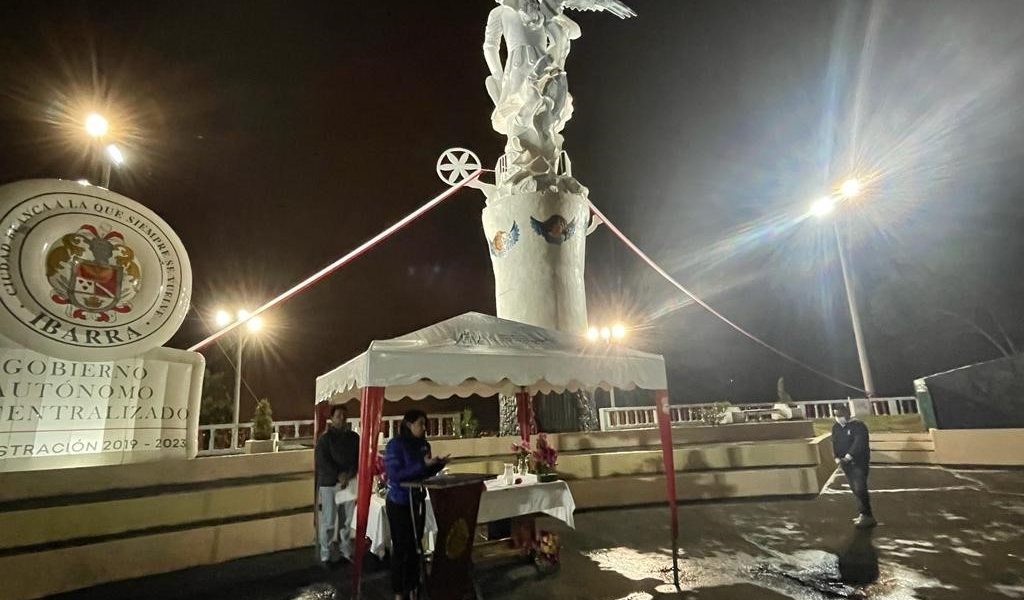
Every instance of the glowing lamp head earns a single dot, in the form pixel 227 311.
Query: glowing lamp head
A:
pixel 618 331
pixel 850 188
pixel 254 324
pixel 222 318
pixel 593 334
pixel 115 155
pixel 823 206
pixel 96 125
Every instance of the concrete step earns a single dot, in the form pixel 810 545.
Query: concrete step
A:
pixel 650 489
pixel 64 569
pixel 632 438
pixel 66 519
pixel 716 457
pixel 903 445
pixel 903 457
pixel 900 437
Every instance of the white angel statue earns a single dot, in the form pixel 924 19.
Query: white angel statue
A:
pixel 529 90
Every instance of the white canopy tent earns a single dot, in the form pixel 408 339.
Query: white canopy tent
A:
pixel 479 354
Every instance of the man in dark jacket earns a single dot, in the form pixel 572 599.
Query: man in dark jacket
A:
pixel 336 460
pixel 850 441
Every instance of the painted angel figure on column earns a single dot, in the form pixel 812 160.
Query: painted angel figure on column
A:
pixel 529 90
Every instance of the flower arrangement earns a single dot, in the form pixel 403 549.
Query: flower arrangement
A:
pixel 380 477
pixel 547 553
pixel 542 459
pixel 544 456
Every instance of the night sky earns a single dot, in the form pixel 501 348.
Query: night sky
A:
pixel 275 136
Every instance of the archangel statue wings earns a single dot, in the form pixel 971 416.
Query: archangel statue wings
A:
pixel 615 7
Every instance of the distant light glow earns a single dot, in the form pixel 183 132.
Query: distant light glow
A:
pixel 83 182
pixel 96 125
pixel 618 331
pixel 222 318
pixel 851 188
pixel 254 324
pixel 822 206
pixel 606 333
pixel 242 314
pixel 115 155
pixel 593 334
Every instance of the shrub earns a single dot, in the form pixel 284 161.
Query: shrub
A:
pixel 262 421
pixel 469 426
pixel 712 415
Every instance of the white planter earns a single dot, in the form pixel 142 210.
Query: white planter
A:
pixel 261 446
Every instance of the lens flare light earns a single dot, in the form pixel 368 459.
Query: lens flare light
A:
pixel 823 206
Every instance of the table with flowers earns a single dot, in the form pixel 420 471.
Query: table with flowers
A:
pixel 498 501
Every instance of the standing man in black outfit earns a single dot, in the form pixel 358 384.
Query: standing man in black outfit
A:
pixel 850 440
pixel 336 460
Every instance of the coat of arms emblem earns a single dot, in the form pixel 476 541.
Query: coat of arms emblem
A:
pixel 95 276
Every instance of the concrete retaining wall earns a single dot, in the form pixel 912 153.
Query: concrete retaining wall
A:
pixel 970 447
pixel 86 526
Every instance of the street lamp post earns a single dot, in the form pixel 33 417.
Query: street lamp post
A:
pixel 252 325
pixel 608 335
pixel 851 188
pixel 851 299
pixel 114 156
pixel 238 388
pixel 110 155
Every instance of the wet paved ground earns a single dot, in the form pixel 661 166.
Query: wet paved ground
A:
pixel 943 534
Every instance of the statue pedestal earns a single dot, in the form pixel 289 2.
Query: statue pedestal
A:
pixel 537 243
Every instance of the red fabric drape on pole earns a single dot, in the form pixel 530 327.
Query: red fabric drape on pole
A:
pixel 321 412
pixel 665 428
pixel 371 404
pixel 524 415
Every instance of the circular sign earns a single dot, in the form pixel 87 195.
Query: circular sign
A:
pixel 87 274
pixel 456 164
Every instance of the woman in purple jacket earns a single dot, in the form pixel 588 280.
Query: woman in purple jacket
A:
pixel 408 458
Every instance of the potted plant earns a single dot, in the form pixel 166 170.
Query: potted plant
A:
pixel 469 426
pixel 263 437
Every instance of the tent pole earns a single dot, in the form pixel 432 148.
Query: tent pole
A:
pixel 321 412
pixel 665 427
pixel 371 403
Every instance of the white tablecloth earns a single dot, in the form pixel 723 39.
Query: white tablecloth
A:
pixel 496 503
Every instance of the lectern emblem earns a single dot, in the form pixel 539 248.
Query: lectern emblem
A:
pixel 458 539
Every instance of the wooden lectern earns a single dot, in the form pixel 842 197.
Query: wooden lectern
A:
pixel 455 500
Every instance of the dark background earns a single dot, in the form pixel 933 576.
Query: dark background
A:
pixel 276 135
